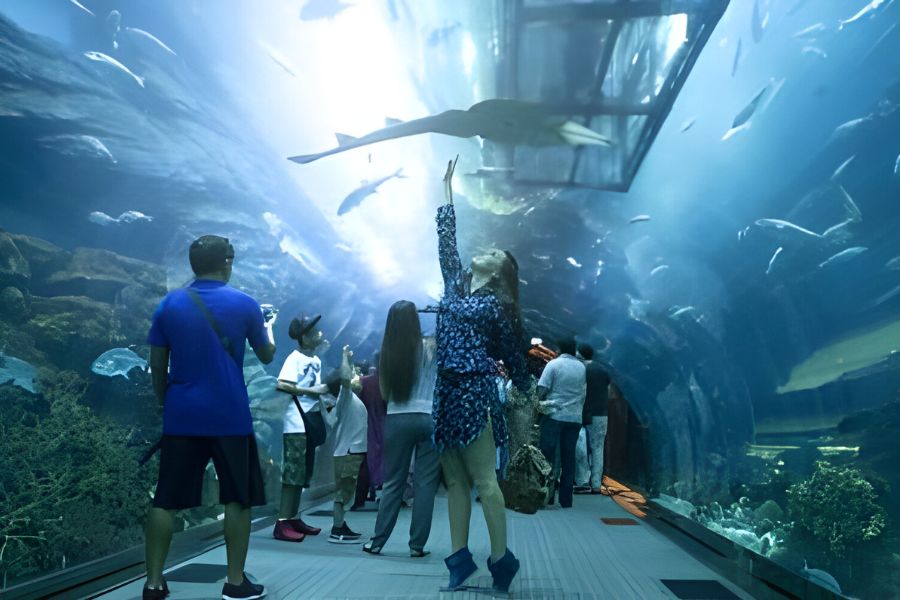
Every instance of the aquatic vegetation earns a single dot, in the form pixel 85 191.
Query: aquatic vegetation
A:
pixel 70 489
pixel 837 506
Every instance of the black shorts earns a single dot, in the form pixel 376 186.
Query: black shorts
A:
pixel 182 465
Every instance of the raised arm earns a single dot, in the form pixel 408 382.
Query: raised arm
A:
pixel 451 266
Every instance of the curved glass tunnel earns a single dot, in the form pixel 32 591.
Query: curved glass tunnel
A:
pixel 735 241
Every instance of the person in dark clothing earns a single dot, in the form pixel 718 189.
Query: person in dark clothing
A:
pixel 370 394
pixel 197 341
pixel 595 415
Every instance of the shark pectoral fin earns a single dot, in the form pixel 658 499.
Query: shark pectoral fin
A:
pixel 388 121
pixel 304 159
pixel 343 139
pixel 579 135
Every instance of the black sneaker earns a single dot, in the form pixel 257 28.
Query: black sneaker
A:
pixel 245 591
pixel 343 535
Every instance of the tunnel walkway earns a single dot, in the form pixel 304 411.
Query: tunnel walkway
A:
pixel 570 554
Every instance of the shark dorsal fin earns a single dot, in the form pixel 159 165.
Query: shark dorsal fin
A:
pixel 388 121
pixel 343 139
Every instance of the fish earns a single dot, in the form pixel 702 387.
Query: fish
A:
pixel 77 145
pixel 677 311
pixel 868 10
pixel 278 58
pixel 838 233
pixel 814 50
pixel 885 297
pixel 573 262
pixel 150 37
pixel 855 351
pixel 688 124
pixel 18 372
pixel 850 206
pixel 805 33
pixel 772 260
pixel 118 361
pixel 893 264
pixel 843 256
pixel 101 218
pixel 503 121
pixel 82 7
pixel 780 225
pixel 529 211
pixel 843 166
pixel 742 119
pixel 103 58
pixel 737 58
pixel 322 9
pixel 743 233
pixel 850 126
pixel 759 22
pixel 821 577
pixel 897 166
pixel 639 219
pixel 658 270
pixel 356 197
pixel 130 216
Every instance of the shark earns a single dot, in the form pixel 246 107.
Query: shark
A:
pixel 499 120
pixel 356 197
pixel 858 350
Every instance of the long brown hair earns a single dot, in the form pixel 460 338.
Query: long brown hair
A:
pixel 401 352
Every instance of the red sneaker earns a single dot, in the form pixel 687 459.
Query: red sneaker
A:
pixel 284 532
pixel 300 527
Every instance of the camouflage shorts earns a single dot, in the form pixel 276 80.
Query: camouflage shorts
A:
pixel 346 471
pixel 294 470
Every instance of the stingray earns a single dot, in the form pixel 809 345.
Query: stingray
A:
pixel 502 121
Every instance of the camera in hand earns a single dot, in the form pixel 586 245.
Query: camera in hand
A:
pixel 269 312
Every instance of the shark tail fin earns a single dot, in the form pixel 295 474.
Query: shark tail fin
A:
pixel 399 174
pixel 343 139
pixel 579 135
pixel 388 121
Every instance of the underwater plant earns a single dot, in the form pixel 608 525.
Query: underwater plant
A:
pixel 837 507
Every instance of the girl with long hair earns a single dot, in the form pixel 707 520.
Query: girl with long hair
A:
pixel 406 376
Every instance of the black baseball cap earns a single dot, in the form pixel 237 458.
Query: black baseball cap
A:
pixel 210 253
pixel 302 325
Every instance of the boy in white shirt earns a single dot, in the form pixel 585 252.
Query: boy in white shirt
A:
pixel 349 423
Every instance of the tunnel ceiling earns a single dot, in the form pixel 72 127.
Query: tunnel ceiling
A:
pixel 615 67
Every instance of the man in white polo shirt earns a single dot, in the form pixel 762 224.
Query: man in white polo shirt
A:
pixel 561 393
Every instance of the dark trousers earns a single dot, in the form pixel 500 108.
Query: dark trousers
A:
pixel 559 434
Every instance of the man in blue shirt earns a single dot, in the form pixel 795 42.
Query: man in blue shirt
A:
pixel 197 342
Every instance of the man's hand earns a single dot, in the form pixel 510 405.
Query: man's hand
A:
pixel 346 370
pixel 448 180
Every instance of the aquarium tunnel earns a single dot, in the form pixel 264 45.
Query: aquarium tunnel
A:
pixel 706 192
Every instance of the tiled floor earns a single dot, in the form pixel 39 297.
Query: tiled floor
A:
pixel 565 554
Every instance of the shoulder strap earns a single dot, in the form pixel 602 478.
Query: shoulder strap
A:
pixel 223 340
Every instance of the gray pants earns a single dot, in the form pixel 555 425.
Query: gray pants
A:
pixel 597 435
pixel 405 433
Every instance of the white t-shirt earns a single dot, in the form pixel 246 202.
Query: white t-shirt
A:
pixel 564 376
pixel 350 421
pixel 304 371
pixel 421 397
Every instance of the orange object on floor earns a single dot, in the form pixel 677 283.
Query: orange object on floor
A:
pixel 624 496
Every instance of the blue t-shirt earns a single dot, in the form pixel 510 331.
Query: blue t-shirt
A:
pixel 206 395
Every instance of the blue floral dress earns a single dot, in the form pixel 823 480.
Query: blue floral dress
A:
pixel 473 333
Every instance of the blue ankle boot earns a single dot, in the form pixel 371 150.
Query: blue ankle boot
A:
pixel 461 566
pixel 503 571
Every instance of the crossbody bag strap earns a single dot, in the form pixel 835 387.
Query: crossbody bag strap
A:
pixel 223 340
pixel 300 408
